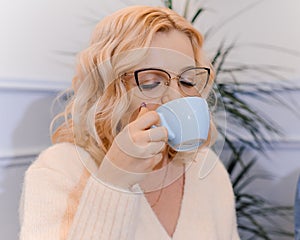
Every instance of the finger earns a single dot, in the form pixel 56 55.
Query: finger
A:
pixel 156 160
pixel 157 134
pixel 155 148
pixel 147 120
pixel 150 163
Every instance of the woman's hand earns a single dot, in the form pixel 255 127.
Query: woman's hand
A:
pixel 138 147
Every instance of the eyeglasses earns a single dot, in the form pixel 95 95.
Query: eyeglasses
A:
pixel 153 82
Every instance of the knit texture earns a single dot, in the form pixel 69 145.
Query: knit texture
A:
pixel 62 200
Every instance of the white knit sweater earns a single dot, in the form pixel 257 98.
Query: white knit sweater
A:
pixel 61 200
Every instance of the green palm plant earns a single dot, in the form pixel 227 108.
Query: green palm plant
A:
pixel 255 214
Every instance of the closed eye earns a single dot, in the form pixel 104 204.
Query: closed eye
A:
pixel 150 85
pixel 186 84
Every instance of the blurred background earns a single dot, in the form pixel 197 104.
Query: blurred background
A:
pixel 38 44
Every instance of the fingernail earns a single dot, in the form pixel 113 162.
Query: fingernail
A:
pixel 143 104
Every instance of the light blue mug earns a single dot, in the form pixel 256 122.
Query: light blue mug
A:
pixel 187 121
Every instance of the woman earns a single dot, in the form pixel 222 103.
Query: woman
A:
pixel 110 174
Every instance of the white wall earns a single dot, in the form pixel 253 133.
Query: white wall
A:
pixel 269 22
pixel 32 31
pixel 32 70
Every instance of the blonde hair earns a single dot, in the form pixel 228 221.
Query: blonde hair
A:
pixel 92 115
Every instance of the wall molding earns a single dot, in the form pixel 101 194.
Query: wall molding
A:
pixel 33 85
pixel 17 162
pixel 282 143
pixel 31 152
pixel 20 153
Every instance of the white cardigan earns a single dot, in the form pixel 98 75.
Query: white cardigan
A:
pixel 61 200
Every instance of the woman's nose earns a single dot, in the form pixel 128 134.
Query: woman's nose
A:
pixel 172 92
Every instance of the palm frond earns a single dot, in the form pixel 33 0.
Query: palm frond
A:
pixel 168 3
pixel 197 14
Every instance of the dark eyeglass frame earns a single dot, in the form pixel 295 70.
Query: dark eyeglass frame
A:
pixel 136 72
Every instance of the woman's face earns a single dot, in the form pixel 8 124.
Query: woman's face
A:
pixel 171 51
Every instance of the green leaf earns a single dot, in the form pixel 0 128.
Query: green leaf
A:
pixel 168 4
pixel 197 14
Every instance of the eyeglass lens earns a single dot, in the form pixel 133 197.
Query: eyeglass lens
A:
pixel 153 82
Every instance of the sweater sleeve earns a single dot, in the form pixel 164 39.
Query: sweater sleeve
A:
pixel 63 201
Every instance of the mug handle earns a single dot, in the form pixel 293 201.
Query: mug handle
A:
pixel 164 123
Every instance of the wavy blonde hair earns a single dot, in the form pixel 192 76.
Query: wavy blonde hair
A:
pixel 92 115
